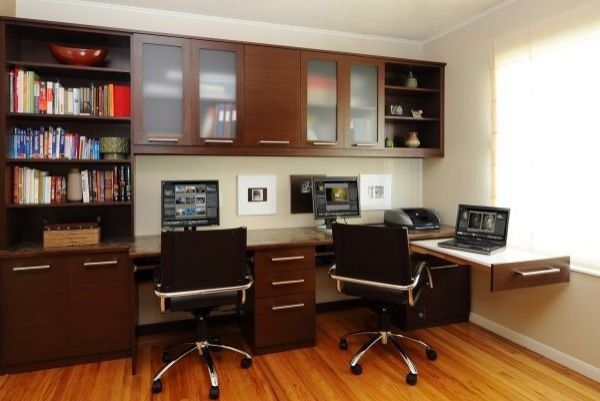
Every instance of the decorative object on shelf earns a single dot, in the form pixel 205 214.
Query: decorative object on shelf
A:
pixel 395 110
pixel 412 140
pixel 71 234
pixel 417 113
pixel 74 192
pixel 411 81
pixel 73 55
pixel 389 142
pixel 114 147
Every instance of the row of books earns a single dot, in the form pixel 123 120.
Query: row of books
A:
pixel 33 186
pixel 220 121
pixel 52 143
pixel 28 93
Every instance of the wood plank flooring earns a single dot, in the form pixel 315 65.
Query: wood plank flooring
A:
pixel 472 364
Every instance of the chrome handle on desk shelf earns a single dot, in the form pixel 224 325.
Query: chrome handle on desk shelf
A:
pixel 100 263
pixel 324 143
pixel 287 282
pixel 269 142
pixel 28 268
pixel 364 145
pixel 219 141
pixel 291 306
pixel 159 139
pixel 287 258
pixel 541 272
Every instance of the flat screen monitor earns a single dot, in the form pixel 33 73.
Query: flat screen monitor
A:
pixel 335 197
pixel 189 204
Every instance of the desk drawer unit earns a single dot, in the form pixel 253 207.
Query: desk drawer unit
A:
pixel 508 276
pixel 280 313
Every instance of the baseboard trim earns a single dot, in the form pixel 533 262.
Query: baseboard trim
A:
pixel 553 354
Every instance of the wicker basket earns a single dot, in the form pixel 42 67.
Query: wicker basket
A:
pixel 65 235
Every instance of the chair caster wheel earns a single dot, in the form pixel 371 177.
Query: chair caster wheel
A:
pixel 356 369
pixel 246 363
pixel 431 354
pixel 343 344
pixel 213 393
pixel 167 357
pixel 156 386
pixel 411 379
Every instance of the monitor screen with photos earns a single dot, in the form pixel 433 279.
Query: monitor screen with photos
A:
pixel 488 223
pixel 335 197
pixel 189 203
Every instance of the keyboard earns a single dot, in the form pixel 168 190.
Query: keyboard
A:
pixel 484 249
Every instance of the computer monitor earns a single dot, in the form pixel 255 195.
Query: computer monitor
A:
pixel 335 197
pixel 189 204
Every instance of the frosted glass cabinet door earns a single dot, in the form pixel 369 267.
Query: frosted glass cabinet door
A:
pixel 218 66
pixel 321 101
pixel 363 105
pixel 163 98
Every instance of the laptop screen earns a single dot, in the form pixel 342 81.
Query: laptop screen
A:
pixel 482 223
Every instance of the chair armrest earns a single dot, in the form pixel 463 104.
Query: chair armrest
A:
pixel 207 291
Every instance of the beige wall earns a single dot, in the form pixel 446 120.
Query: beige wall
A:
pixel 561 318
pixel 8 8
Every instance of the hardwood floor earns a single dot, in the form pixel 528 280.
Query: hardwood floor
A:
pixel 473 364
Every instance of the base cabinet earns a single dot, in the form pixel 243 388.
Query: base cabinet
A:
pixel 61 309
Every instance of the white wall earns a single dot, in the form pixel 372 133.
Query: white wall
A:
pixel 559 321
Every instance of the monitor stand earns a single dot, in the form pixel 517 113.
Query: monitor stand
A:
pixel 187 228
pixel 326 227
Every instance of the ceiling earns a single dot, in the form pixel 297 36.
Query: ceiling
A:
pixel 402 19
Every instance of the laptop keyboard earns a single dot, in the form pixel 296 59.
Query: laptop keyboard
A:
pixel 468 246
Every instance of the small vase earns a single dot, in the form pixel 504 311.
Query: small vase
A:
pixel 389 142
pixel 74 192
pixel 411 81
pixel 412 140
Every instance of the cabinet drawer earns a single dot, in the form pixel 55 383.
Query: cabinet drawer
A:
pixel 284 283
pixel 283 259
pixel 508 276
pixel 284 320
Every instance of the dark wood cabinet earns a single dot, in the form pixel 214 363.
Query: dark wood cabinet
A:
pixel 62 309
pixel 271 96
pixel 280 311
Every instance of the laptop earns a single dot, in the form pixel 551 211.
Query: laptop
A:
pixel 479 229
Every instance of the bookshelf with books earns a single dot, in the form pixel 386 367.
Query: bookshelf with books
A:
pixel 54 116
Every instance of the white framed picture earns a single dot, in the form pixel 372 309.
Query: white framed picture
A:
pixel 375 191
pixel 257 194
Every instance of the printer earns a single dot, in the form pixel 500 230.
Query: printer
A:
pixel 416 218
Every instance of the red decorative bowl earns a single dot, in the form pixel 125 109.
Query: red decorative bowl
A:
pixel 78 55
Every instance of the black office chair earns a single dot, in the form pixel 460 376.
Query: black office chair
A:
pixel 200 270
pixel 374 263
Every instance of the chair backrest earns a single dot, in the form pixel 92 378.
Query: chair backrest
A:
pixel 372 253
pixel 195 260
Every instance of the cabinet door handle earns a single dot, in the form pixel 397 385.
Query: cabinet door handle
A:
pixel 291 306
pixel 364 145
pixel 269 142
pixel 159 139
pixel 100 263
pixel 541 272
pixel 287 258
pixel 324 143
pixel 27 268
pixel 287 282
pixel 219 141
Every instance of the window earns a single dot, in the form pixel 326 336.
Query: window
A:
pixel 546 152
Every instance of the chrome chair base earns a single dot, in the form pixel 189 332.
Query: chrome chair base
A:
pixel 385 337
pixel 203 348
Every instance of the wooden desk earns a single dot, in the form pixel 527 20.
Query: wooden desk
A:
pixel 509 269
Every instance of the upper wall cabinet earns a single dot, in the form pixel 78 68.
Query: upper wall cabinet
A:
pixel 271 97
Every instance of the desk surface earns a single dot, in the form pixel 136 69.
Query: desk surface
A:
pixel 149 245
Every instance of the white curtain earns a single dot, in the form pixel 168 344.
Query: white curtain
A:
pixel 546 143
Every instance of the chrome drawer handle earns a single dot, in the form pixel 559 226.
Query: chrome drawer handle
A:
pixel 287 282
pixel 287 258
pixel 27 268
pixel 364 145
pixel 269 142
pixel 221 141
pixel 541 272
pixel 101 263
pixel 292 306
pixel 158 139
pixel 324 143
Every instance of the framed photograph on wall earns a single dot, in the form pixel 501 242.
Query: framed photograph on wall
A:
pixel 375 191
pixel 257 194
